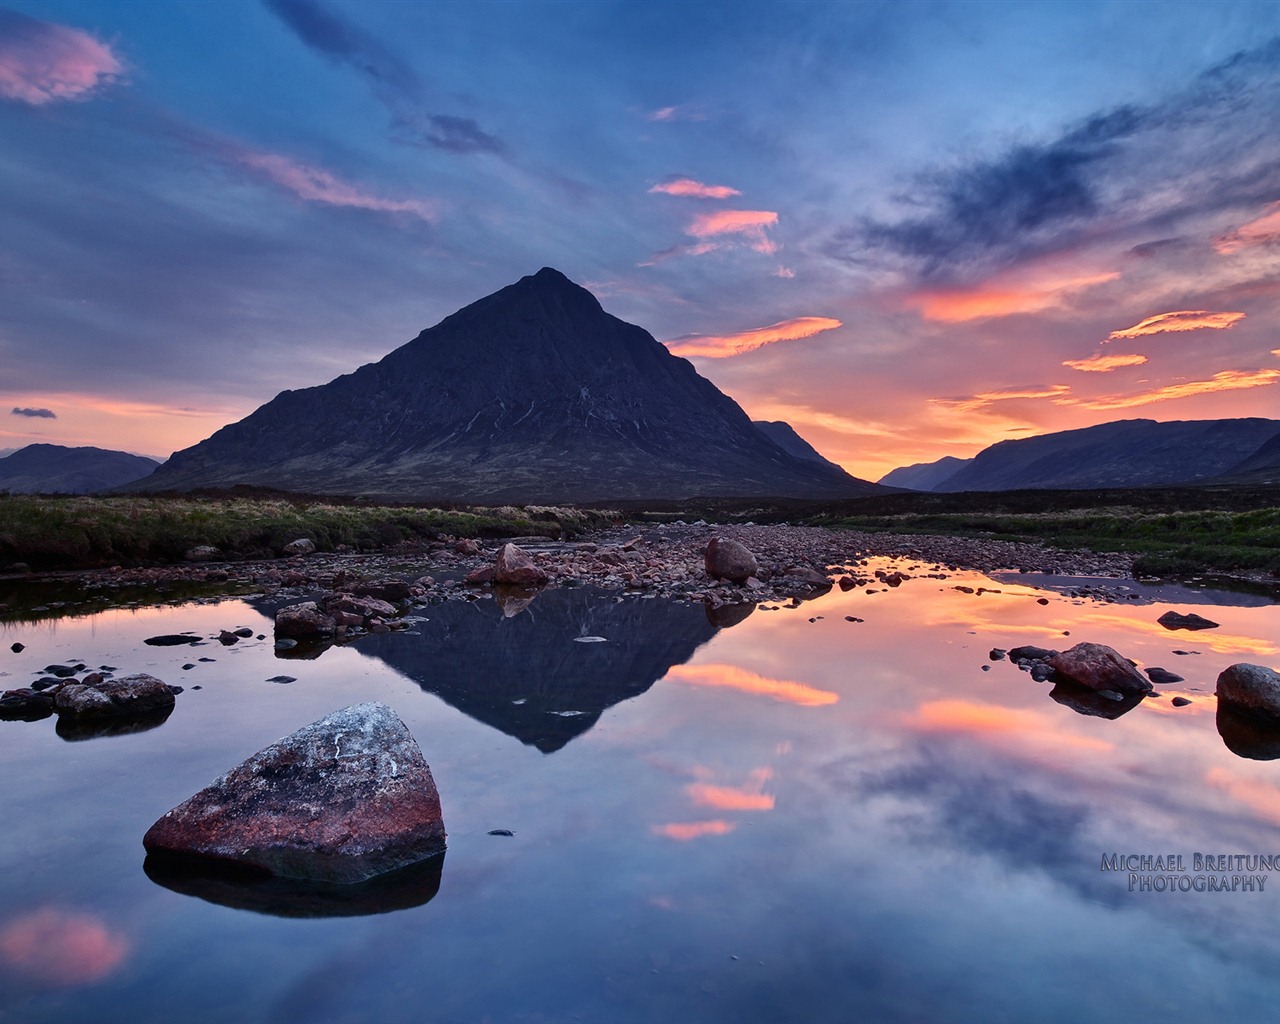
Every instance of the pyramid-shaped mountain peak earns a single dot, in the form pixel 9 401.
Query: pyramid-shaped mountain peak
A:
pixel 531 394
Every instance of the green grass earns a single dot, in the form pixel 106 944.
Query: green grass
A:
pixel 72 532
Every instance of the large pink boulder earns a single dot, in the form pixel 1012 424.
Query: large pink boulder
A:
pixel 1099 667
pixel 1251 688
pixel 305 620
pixel 726 559
pixel 515 567
pixel 340 800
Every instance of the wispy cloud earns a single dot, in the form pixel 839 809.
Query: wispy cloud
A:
pixel 1227 380
pixel 683 831
pixel 44 414
pixel 1105 364
pixel 676 113
pixel 1000 299
pixel 725 345
pixel 1263 231
pixel 1182 320
pixel 985 399
pixel 394 83
pixel 734 678
pixel 316 185
pixel 42 63
pixel 751 224
pixel 695 189
pixel 748 797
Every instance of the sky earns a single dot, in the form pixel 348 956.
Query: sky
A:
pixel 909 229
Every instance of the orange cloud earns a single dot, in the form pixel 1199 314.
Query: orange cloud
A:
pixel 1104 364
pixel 61 948
pixel 683 831
pixel 1227 380
pixel 696 189
pixel 986 398
pixel 44 63
pixel 749 223
pixel 721 346
pixel 1264 230
pixel 750 797
pixel 319 186
pixel 1260 797
pixel 954 306
pixel 1182 320
pixel 735 678
pixel 962 716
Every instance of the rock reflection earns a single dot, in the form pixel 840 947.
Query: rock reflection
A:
pixel 513 600
pixel 1249 735
pixel 73 730
pixel 1084 701
pixel 246 889
pixel 727 615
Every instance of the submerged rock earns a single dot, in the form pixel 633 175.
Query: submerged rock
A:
pixel 341 800
pixel 1250 688
pixel 1099 667
pixel 727 559
pixel 1176 620
pixel 134 696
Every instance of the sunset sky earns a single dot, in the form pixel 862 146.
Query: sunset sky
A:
pixel 909 229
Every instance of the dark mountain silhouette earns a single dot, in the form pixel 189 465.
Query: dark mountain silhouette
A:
pixel 533 393
pixel 924 476
pixel 57 469
pixel 784 435
pixel 1125 453
pixel 1262 467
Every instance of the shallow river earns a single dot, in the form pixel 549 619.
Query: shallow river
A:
pixel 777 819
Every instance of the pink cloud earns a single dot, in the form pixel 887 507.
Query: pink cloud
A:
pixel 319 186
pixel 751 224
pixel 1262 231
pixel 44 63
pixel 725 345
pixel 683 831
pixel 1004 297
pixel 1181 320
pixel 60 947
pixel 1227 380
pixel 986 398
pixel 1105 364
pixel 696 189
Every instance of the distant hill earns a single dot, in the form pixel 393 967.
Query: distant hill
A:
pixel 57 469
pixel 531 394
pixel 1125 453
pixel 1262 467
pixel 924 476
pixel 784 435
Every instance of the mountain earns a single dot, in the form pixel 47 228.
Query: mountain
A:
pixel 531 394
pixel 57 469
pixel 924 476
pixel 1126 453
pixel 1262 467
pixel 784 435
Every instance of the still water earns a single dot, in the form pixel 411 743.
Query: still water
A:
pixel 771 819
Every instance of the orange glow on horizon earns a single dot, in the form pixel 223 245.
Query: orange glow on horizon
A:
pixel 62 948
pixel 1181 320
pixel 1104 364
pixel 722 346
pixel 734 678
pixel 684 831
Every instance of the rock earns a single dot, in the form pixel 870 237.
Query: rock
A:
pixel 996 654
pixel 305 619
pixel 514 566
pixel 341 800
pixel 385 590
pixel 244 632
pixel 1041 671
pixel 1099 667
pixel 171 640
pixel 301 546
pixel 27 705
pixel 726 559
pixel 126 697
pixel 501 832
pixel 1180 702
pixel 202 553
pixel 482 575
pixel 227 638
pixel 467 546
pixel 1175 620
pixel 1029 653
pixel 1250 688
pixel 17 648
pixel 1163 677
pixel 365 607
pixel 283 679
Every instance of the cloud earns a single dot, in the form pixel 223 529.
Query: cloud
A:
pixel 684 831
pixel 1029 728
pixel 676 113
pixel 725 345
pixel 749 223
pixel 985 399
pixel 1263 231
pixel 996 299
pixel 1227 380
pixel 750 797
pixel 741 679
pixel 1260 797
pixel 1104 364
pixel 319 186
pixel 1183 320
pixel 696 189
pixel 62 948
pixel 1130 174
pixel 43 63
pixel 784 272
pixel 395 84
pixel 44 414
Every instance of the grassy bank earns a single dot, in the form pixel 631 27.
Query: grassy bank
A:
pixel 64 532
